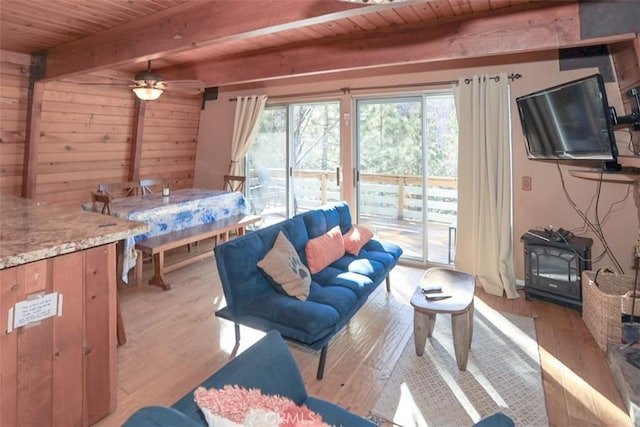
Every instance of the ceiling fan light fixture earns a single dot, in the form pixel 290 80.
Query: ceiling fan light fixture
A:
pixel 147 93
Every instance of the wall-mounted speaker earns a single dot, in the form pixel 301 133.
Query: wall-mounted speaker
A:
pixel 209 94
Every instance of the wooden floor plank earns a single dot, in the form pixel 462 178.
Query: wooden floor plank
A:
pixel 175 341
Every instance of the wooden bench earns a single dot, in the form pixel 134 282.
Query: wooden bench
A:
pixel 158 245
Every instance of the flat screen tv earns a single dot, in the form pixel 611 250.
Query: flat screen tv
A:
pixel 571 121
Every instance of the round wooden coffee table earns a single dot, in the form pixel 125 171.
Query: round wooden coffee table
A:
pixel 461 287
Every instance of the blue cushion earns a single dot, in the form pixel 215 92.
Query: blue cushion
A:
pixel 296 232
pixel 345 216
pixel 315 223
pixel 380 246
pixel 359 284
pixel 308 317
pixel 383 258
pixel 319 221
pixel 340 298
pixel 332 216
pixel 366 267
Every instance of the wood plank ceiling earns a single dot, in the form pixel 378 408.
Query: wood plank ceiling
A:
pixel 250 40
pixel 28 26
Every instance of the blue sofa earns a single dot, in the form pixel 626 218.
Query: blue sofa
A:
pixel 267 365
pixel 337 291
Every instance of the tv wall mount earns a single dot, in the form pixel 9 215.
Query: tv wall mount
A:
pixel 632 119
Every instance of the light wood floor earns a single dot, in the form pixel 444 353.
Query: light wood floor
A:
pixel 175 342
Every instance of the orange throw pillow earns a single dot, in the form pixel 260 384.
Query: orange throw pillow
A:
pixel 323 250
pixel 356 238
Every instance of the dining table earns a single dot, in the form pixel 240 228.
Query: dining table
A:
pixel 183 208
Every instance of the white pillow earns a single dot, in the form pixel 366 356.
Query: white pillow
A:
pixel 256 417
pixel 285 271
pixel 216 420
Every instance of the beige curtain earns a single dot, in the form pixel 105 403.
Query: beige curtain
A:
pixel 249 111
pixel 484 247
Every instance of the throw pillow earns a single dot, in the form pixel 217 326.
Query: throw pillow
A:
pixel 237 406
pixel 323 250
pixel 356 238
pixel 285 271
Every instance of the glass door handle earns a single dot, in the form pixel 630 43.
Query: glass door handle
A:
pixel 338 177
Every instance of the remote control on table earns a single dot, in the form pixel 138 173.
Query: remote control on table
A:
pixel 437 296
pixel 427 289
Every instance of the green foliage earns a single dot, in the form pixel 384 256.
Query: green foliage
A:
pixel 389 135
pixel 315 132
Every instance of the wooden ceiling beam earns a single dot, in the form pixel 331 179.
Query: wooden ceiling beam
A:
pixel 194 24
pixel 526 30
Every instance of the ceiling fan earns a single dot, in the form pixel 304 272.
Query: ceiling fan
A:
pixel 149 85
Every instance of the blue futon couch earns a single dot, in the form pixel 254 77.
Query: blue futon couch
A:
pixel 336 293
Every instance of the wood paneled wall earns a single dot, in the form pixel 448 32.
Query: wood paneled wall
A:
pixel 84 140
pixel 14 88
pixel 626 60
pixel 86 134
pixel 170 137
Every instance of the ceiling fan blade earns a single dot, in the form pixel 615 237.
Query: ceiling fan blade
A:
pixel 96 84
pixel 185 83
pixel 185 91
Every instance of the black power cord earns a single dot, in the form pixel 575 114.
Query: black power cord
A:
pixel 595 228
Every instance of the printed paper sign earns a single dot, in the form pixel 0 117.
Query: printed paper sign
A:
pixel 35 309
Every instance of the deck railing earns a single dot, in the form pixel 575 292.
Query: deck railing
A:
pixel 381 195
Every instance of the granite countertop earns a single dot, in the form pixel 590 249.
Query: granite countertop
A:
pixel 31 230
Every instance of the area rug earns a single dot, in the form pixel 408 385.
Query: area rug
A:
pixel 503 375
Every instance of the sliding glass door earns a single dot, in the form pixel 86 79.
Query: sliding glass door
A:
pixel 315 131
pixel 406 171
pixel 293 163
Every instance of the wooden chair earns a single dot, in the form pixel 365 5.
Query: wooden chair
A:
pixel 234 183
pixel 101 202
pixel 150 186
pixel 120 189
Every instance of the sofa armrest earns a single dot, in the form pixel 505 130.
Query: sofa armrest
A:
pixel 267 365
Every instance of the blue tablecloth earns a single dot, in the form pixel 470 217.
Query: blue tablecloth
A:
pixel 182 209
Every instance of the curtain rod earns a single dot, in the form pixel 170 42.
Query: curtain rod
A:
pixel 346 90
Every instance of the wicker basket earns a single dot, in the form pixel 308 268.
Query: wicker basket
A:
pixel 602 305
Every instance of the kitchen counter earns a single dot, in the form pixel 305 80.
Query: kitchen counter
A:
pixel 58 299
pixel 31 231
